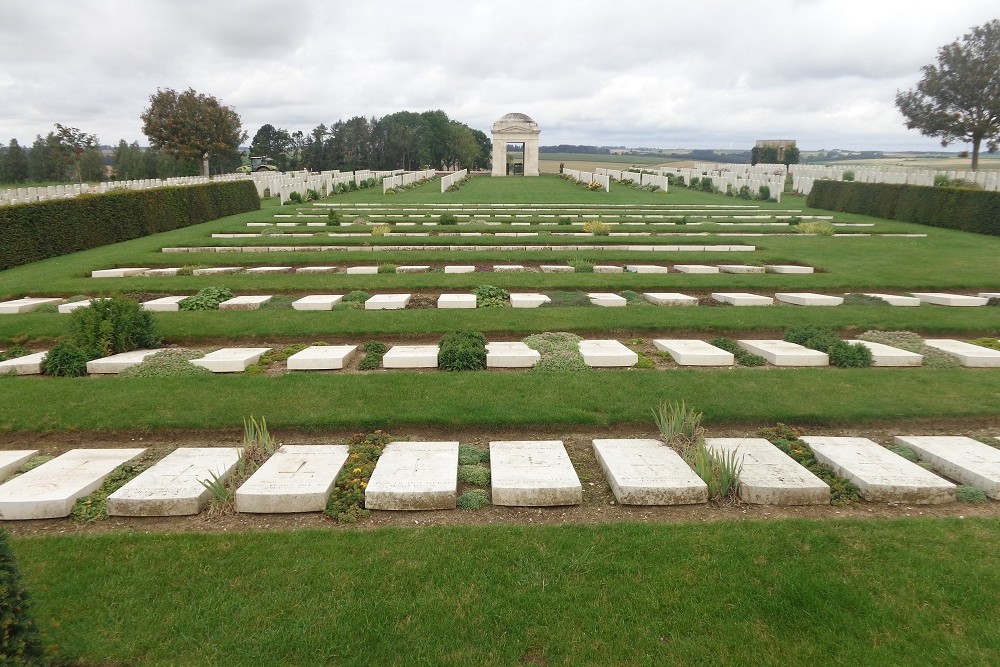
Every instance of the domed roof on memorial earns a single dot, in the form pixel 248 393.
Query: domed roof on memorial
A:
pixel 516 122
pixel 524 118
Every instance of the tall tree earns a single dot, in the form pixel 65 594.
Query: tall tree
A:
pixel 71 145
pixel 272 142
pixel 14 167
pixel 192 125
pixel 958 99
pixel 792 155
pixel 41 166
pixel 127 162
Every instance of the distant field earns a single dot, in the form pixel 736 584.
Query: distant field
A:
pixel 985 162
pixel 549 162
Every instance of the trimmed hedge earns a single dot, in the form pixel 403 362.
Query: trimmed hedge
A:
pixel 30 232
pixel 954 208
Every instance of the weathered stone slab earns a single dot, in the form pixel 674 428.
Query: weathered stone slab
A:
pixel 387 302
pixel 646 268
pixel 164 304
pixel 556 268
pixel 647 472
pixel 118 273
pixel 12 460
pixel 808 299
pixel 608 268
pixel 607 299
pixel 886 355
pixel 508 268
pixel 165 271
pixel 297 478
pixel 607 354
pixel 670 299
pixel 25 305
pixel 65 308
pixel 217 271
pixel 316 269
pixel 959 458
pixel 414 476
pixel 783 353
pixel 361 270
pixel 942 299
pixel 460 268
pixel 973 356
pixel 29 364
pixel 423 268
pixel 173 486
pixel 695 352
pixel 511 355
pixel 895 299
pixel 788 268
pixel 50 490
pixel 742 299
pixel 322 358
pixel 528 300
pixel 244 302
pixel 231 359
pixel 317 302
pixel 411 356
pixel 456 301
pixel 696 268
pixel 769 476
pixel 265 270
pixel 533 473
pixel 740 268
pixel 879 474
pixel 116 363
pixel 990 295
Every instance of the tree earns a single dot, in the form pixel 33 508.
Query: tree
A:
pixel 127 161
pixel 791 156
pixel 14 166
pixel 272 142
pixel 192 126
pixel 71 144
pixel 959 98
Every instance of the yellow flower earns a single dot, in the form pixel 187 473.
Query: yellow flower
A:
pixel 356 471
pixel 364 485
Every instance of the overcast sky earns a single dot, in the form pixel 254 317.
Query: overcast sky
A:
pixel 684 74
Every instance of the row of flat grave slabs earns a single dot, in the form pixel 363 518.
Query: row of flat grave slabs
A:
pixel 529 473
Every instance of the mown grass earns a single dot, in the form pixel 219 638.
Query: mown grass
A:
pixel 770 593
pixel 487 399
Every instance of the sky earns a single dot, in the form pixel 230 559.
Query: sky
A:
pixel 686 74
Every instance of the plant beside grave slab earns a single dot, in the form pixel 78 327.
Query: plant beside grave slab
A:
pixel 785 438
pixel 488 296
pixel 991 343
pixel 273 356
pixel 207 298
pixel 94 507
pixel 462 351
pixel 112 326
pixel 347 501
pixel 258 446
pixel 374 351
pixel 171 362
pixel 560 351
pixel 743 358
pixel 354 300
pixel 841 353
pixel 907 340
pixel 681 429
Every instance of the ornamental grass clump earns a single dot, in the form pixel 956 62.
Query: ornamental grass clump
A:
pixel 681 429
pixel 818 227
pixel 597 228
pixel 380 230
pixel 560 351
pixel 258 446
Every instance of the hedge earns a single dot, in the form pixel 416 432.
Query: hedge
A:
pixel 954 208
pixel 30 232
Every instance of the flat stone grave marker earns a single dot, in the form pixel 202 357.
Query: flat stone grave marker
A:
pixel 414 476
pixel 556 268
pixel 244 302
pixel 26 305
pixel 317 302
pixel 118 273
pixel 116 363
pixel 411 356
pixel 297 478
pixel 886 355
pixel 942 299
pixel 696 268
pixel 769 476
pixel 528 300
pixel 508 268
pixel 12 460
pixel 29 364
pixel 322 358
pixel 783 353
pixel 787 268
pixel 231 359
pixel 460 268
pixel 387 302
pixel 607 354
pixel 70 307
pixel 959 458
pixel 217 271
pixel 164 304
pixel 607 299
pixel 695 352
pixel 647 472
pixel 456 301
pixel 511 355
pixel 413 269
pixel 808 299
pixel 646 268
pixel 50 490
pixel 264 270
pixel 990 295
pixel 164 271
pixel 608 268
pixel 740 268
pixel 972 356
pixel 670 299
pixel 895 299
pixel 173 485
pixel 878 473
pixel 362 270
pixel 533 473
pixel 316 269
pixel 742 299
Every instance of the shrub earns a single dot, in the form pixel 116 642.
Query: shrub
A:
pixel 745 192
pixel 347 501
pixel 597 228
pixel 820 227
pixel 312 194
pixel 847 355
pixel 380 230
pixel 743 358
pixel 462 351
pixel 333 218
pixel 969 494
pixel 448 219
pixel 560 351
pixel 764 192
pixel 469 455
pixel 20 641
pixel 815 338
pixel 65 360
pixel 112 326
pixel 387 268
pixel 167 363
pixel 904 451
pixel 912 342
pixel 848 176
pixel 581 266
pixel 295 197
pixel 374 351
pixel 562 221
pixel 842 492
pixel 488 296
pixel 992 343
pixel 856 299
pixel 632 297
pixel 473 500
pixel 694 182
pixel 474 474
pixel 208 298
pixel 94 507
pixel 357 296
pixel 706 185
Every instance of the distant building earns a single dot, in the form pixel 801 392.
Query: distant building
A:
pixel 780 144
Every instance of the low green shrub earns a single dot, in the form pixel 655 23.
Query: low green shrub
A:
pixel 633 297
pixel 560 351
pixel 167 363
pixel 904 451
pixel 112 326
pixel 856 299
pixel 842 492
pixel 294 197
pixel 562 221
pixel 581 266
pixel 969 494
pixel 816 338
pixel 469 455
pixel 847 355
pixel 334 218
pixel 462 351
pixel 207 298
pixel 387 268
pixel 473 500
pixel 357 296
pixel 374 351
pixel 476 475
pixel 94 507
pixel 65 360
pixel 597 228
pixel 992 343
pixel 907 340
pixel 488 296
pixel 562 298
pixel 818 227
pixel 743 358
pixel 347 501
pixel 448 219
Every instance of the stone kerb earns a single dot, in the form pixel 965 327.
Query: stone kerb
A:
pixel 533 473
pixel 647 472
pixel 297 478
pixel 414 476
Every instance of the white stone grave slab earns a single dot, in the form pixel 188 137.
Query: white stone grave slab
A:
pixel 742 299
pixel 460 268
pixel 264 270
pixel 942 299
pixel 696 268
pixel 216 270
pixel 511 355
pixel 694 352
pixel 164 304
pixel 740 268
pixel 116 363
pixel 70 307
pixel 29 364
pixel 608 268
pixel 316 269
pixel 783 353
pixel 456 301
pixel 788 268
pixel 895 299
pixel 322 358
pixel 414 476
pixel 361 270
pixel 607 354
pixel 244 302
pixel 646 268
pixel 808 299
pixel 424 268
pixel 973 356
pixel 990 295
pixel 317 302
pixel 886 355
pixel 173 485
pixel 959 458
pixel 297 478
pixel 50 490
pixel 607 299
pixel 231 359
pixel 879 474
pixel 25 305
pixel 769 476
pixel 533 473
pixel 670 299
pixel 556 268
pixel 12 460
pixel 647 472
pixel 528 300
pixel 508 268
pixel 411 356
pixel 387 302
pixel 118 273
